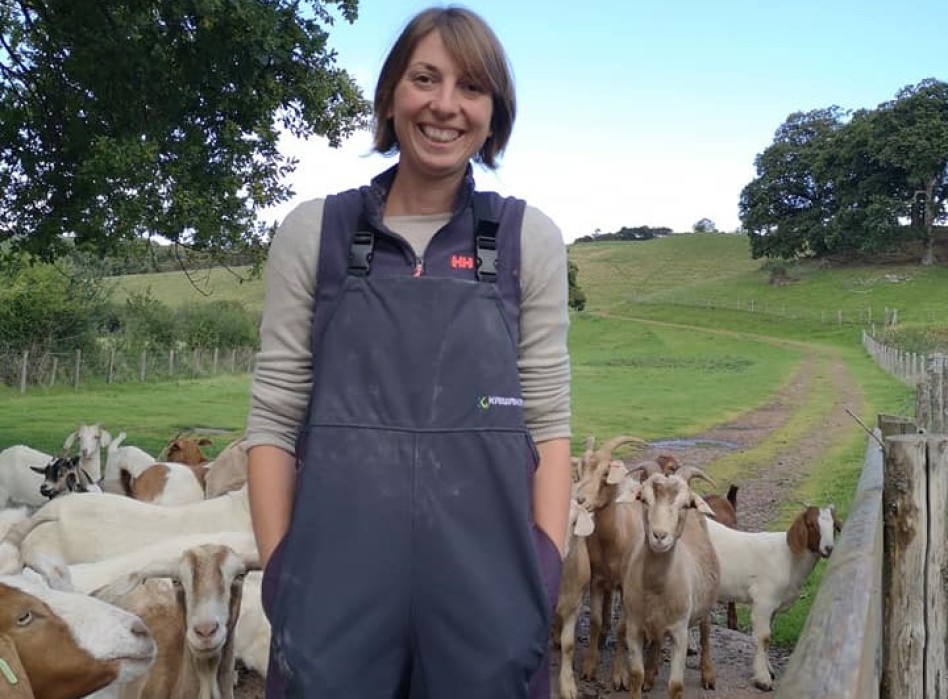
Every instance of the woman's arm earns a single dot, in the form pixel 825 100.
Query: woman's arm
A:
pixel 271 476
pixel 551 490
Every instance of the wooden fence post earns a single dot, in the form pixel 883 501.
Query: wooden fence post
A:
pixel 52 374
pixel 905 544
pixel 214 371
pixel 170 363
pixel 23 370
pixel 936 569
pixel 839 652
pixel 111 368
pixel 142 364
pixel 78 368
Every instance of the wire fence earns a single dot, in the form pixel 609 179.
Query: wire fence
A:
pixel 34 368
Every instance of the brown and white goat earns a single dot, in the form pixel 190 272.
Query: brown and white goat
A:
pixel 168 484
pixel 192 617
pixel 70 644
pixel 767 570
pixel 609 547
pixel 672 582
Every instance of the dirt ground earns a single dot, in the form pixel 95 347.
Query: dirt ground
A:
pixel 759 497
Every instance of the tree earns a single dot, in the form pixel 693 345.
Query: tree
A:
pixel 830 186
pixel 912 140
pixel 785 209
pixel 577 297
pixel 705 225
pixel 121 120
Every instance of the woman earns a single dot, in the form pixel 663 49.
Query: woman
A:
pixel 408 437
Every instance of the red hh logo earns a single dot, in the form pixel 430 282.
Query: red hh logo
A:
pixel 462 262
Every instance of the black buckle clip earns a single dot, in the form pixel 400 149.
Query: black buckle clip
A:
pixel 486 258
pixel 360 253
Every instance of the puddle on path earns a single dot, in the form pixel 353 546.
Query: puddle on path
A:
pixel 693 444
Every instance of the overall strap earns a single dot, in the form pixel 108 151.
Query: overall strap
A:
pixel 486 222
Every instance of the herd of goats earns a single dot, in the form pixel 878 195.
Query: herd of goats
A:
pixel 139 578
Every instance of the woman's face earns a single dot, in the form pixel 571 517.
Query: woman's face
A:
pixel 441 117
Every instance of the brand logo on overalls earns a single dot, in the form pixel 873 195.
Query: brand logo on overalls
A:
pixel 487 402
pixel 462 262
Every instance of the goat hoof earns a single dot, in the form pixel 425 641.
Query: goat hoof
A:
pixel 764 686
pixel 707 683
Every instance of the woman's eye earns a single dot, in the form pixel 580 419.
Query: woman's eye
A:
pixel 422 79
pixel 472 87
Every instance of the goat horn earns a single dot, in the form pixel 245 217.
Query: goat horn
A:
pixel 689 472
pixel 649 467
pixel 605 451
pixel 589 446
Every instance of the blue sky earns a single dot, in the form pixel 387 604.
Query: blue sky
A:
pixel 650 113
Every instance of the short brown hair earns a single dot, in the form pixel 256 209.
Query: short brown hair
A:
pixel 476 49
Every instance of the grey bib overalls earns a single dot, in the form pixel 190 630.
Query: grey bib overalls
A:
pixel 412 568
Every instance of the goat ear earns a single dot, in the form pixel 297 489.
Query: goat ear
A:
pixel 70 440
pixel 584 523
pixel 37 469
pixel 204 441
pixel 797 535
pixel 701 505
pixel 617 473
pixel 104 437
pixel 631 493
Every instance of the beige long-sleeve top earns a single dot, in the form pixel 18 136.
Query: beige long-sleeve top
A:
pixel 282 379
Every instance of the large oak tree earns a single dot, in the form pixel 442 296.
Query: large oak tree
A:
pixel 122 119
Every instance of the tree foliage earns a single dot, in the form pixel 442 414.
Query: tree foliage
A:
pixel 626 233
pixel 121 120
pixel 839 183
pixel 577 297
pixel 704 225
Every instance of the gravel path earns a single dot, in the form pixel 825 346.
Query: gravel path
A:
pixel 760 495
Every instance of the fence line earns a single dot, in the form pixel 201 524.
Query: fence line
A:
pixel 908 367
pixel 833 316
pixel 30 368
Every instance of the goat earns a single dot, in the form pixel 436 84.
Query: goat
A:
pixel 123 457
pixel 70 644
pixel 78 529
pixel 186 450
pixel 92 438
pixel 65 475
pixel 767 570
pixel 608 547
pixel 19 484
pixel 192 617
pixel 252 637
pixel 167 483
pixel 228 470
pixel 672 581
pixel 725 512
pixel 573 582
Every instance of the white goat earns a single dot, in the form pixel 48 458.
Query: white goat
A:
pixel 70 644
pixel 92 439
pixel 21 484
pixel 192 617
pixel 675 576
pixel 767 570
pixel 573 583
pixel 77 528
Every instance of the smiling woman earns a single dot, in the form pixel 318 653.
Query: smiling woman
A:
pixel 414 339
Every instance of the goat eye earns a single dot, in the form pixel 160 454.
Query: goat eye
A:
pixel 24 618
pixel 176 584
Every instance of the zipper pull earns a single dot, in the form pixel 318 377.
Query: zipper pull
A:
pixel 419 267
